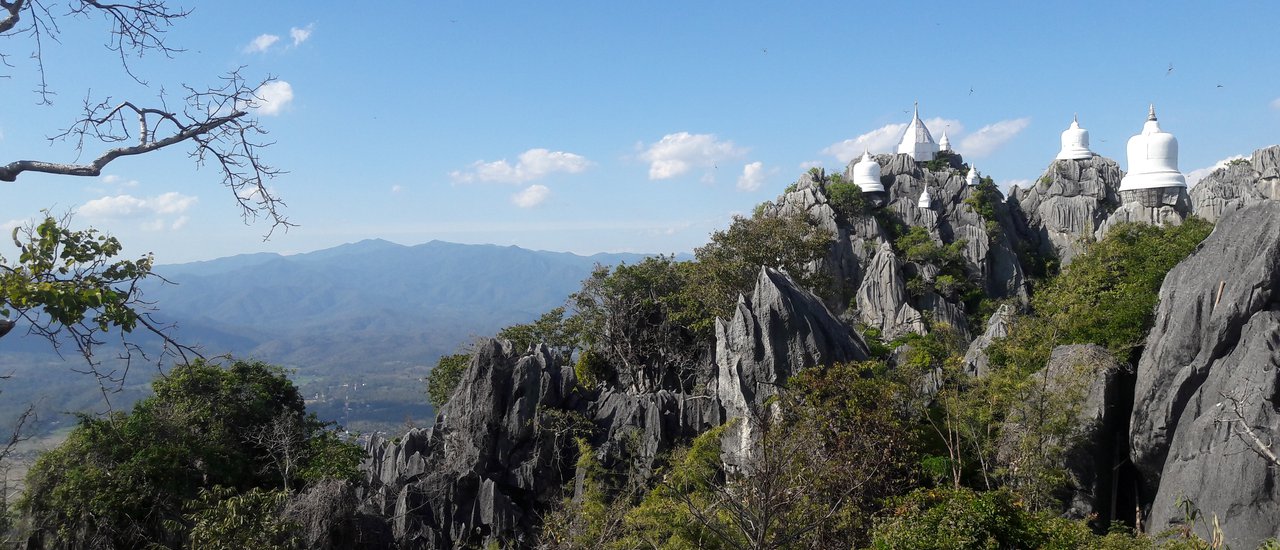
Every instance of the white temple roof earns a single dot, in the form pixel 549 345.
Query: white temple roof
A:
pixel 1153 158
pixel 972 177
pixel 917 141
pixel 1075 142
pixel 866 174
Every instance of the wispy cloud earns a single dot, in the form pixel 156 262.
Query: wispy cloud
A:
pixel 678 153
pixel 1006 185
pixel 301 34
pixel 1275 104
pixel 885 138
pixel 262 43
pixel 991 137
pixel 752 176
pixel 531 196
pixel 167 210
pixel 1194 176
pixel 395 189
pixel 531 165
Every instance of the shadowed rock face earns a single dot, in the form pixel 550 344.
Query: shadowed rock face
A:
pixel 1239 184
pixel 1214 343
pixel 478 472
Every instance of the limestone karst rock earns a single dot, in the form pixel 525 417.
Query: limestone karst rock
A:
pixel 975 358
pixel 1239 184
pixel 1069 202
pixel 1214 345
pixel 479 472
pixel 1159 206
pixel 777 331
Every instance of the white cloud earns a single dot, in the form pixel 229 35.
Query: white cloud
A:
pixel 179 223
pixel 7 227
pixel 991 137
pixel 885 138
pixel 676 154
pixel 531 196
pixel 810 164
pixel 110 179
pixel 530 165
pixel 262 43
pixel 273 97
pixel 129 206
pixel 300 35
pixel 1194 176
pixel 752 176
pixel 396 189
pixel 1008 185
pixel 1275 104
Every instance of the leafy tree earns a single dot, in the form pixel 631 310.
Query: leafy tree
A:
pixel 446 375
pixel 125 480
pixel 959 519
pixel 636 318
pixel 222 519
pixel 845 197
pixel 729 265
pixel 552 328
pixel 1107 295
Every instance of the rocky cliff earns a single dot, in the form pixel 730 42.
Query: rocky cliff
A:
pixel 1240 183
pixel 1209 371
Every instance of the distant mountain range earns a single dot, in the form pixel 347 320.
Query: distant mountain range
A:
pixel 360 323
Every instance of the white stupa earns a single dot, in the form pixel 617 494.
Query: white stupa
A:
pixel 972 178
pixel 1153 159
pixel 866 174
pixel 944 144
pixel 917 141
pixel 1075 142
pixel 925 200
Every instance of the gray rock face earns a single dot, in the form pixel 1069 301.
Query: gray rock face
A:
pixel 1162 206
pixel 1068 202
pixel 473 476
pixel 775 333
pixel 1085 379
pixel 1214 340
pixel 640 428
pixel 1237 185
pixel 871 277
pixel 975 358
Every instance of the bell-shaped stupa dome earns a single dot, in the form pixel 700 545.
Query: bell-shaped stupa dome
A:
pixel 1075 142
pixel 917 141
pixel 1153 159
pixel 925 200
pixel 972 178
pixel 944 144
pixel 866 174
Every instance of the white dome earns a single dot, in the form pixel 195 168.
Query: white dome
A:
pixel 917 141
pixel 925 200
pixel 866 174
pixel 944 144
pixel 1153 159
pixel 1075 143
pixel 972 178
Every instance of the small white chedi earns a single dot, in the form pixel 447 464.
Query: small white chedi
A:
pixel 1075 142
pixel 917 141
pixel 944 144
pixel 925 200
pixel 972 178
pixel 1153 159
pixel 866 174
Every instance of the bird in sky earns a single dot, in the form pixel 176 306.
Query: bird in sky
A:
pixel 1170 71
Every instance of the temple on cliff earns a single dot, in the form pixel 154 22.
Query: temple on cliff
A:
pixel 1153 159
pixel 1075 142
pixel 917 141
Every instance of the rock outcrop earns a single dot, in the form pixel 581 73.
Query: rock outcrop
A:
pixel 779 330
pixel 1068 203
pixel 1239 184
pixel 975 358
pixel 1161 206
pixel 1210 368
pixel 475 476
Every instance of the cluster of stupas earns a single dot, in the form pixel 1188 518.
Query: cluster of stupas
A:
pixel 1153 158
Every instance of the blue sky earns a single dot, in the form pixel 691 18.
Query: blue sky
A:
pixel 594 126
